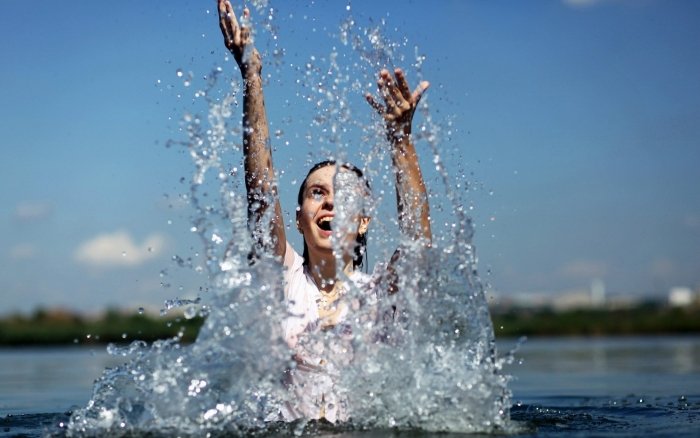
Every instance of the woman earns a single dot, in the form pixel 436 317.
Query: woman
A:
pixel 312 286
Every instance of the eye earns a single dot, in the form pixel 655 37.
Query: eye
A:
pixel 316 193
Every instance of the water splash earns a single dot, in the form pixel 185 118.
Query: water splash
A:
pixel 423 358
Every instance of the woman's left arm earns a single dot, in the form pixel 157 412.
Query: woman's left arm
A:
pixel 411 195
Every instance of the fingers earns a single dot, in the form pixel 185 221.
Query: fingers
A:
pixel 224 22
pixel 420 89
pixel 374 104
pixel 245 29
pixel 395 91
pixel 387 91
pixel 399 102
pixel 403 85
pixel 228 23
pixel 226 15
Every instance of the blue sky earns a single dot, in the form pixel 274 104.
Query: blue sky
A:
pixel 576 123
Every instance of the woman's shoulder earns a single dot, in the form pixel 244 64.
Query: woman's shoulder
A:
pixel 296 284
pixel 292 260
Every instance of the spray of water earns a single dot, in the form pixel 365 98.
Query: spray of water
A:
pixel 423 358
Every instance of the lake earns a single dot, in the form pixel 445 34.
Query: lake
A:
pixel 627 386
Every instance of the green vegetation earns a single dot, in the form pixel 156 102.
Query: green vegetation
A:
pixel 644 319
pixel 60 328
pixel 57 327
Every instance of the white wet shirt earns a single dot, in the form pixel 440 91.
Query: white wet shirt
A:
pixel 312 382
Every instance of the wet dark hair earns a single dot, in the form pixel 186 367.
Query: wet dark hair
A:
pixel 361 247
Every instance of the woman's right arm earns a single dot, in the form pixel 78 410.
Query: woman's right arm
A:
pixel 261 185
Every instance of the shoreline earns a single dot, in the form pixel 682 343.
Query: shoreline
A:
pixel 47 328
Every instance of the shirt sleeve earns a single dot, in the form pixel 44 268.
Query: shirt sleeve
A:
pixel 293 263
pixel 295 297
pixel 291 256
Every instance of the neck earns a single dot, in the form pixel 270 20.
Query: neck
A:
pixel 323 270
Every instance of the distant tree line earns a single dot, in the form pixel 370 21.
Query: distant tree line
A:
pixel 644 319
pixel 56 327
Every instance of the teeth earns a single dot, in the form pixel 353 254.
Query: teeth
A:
pixel 325 223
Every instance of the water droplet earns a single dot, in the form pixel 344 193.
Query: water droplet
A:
pixel 190 312
pixel 179 73
pixel 141 310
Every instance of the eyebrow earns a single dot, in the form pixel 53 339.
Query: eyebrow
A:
pixel 318 184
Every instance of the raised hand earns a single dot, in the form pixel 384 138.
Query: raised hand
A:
pixel 238 39
pixel 400 103
pixel 260 181
pixel 412 199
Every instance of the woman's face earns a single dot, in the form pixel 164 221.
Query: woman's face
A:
pixel 317 212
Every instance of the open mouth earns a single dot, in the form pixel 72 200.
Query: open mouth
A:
pixel 325 223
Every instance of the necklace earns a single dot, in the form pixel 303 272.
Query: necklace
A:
pixel 329 297
pixel 329 308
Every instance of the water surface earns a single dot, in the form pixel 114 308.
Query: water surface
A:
pixel 561 386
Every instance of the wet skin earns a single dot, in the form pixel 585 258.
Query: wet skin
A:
pixel 314 221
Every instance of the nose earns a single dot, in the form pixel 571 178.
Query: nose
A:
pixel 328 202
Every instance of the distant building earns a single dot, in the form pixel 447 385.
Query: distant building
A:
pixel 597 293
pixel 595 297
pixel 574 299
pixel 680 296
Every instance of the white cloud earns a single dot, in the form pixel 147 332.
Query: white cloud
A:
pixel 32 210
pixel 23 251
pixel 585 269
pixel 119 249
